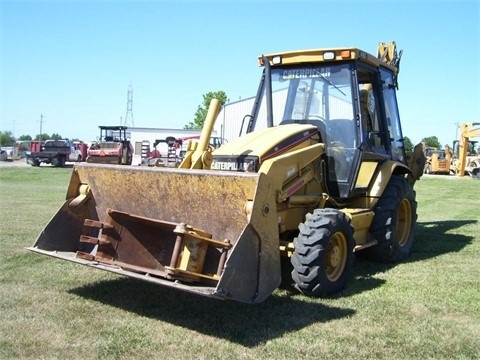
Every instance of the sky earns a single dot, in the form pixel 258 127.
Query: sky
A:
pixel 66 66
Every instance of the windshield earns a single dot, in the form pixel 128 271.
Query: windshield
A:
pixel 321 96
pixel 315 93
pixel 312 94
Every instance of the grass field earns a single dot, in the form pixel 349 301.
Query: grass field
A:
pixel 425 307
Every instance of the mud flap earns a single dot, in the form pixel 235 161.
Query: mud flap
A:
pixel 144 222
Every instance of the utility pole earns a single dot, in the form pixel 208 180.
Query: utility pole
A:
pixel 41 122
pixel 129 113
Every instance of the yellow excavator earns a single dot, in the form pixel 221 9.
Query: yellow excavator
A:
pixel 319 174
pixel 466 162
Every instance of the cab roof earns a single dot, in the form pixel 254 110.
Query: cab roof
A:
pixel 324 55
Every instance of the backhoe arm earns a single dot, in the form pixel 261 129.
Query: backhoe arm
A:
pixel 467 131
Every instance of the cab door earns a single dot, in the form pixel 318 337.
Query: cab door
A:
pixel 375 140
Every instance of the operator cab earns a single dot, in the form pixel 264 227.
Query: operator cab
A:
pixel 352 103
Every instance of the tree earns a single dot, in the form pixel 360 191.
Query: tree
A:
pixel 202 110
pixel 42 137
pixel 25 138
pixel 56 136
pixel 432 141
pixel 6 138
pixel 407 143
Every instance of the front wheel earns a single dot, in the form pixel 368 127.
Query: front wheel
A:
pixel 323 257
pixel 394 223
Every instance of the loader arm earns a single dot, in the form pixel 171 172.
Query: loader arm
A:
pixel 199 155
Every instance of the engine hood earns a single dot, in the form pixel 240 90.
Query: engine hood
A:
pixel 270 142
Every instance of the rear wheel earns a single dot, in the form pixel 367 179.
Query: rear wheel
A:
pixel 323 257
pixel 126 156
pixel 394 223
pixel 58 161
pixel 61 161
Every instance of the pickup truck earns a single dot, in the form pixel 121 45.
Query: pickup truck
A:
pixel 55 152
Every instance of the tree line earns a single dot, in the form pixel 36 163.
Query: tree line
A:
pixel 7 138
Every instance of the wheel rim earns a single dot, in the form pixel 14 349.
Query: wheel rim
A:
pixel 404 222
pixel 336 256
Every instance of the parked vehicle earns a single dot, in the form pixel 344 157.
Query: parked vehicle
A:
pixel 438 160
pixel 55 152
pixel 113 147
pixel 9 153
pixel 3 155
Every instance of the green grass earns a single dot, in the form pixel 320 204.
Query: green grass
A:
pixel 425 307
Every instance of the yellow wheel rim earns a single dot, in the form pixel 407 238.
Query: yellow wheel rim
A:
pixel 404 222
pixel 336 256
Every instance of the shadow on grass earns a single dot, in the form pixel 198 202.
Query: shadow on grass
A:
pixel 431 240
pixel 281 313
pixel 248 325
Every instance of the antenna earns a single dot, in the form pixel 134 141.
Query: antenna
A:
pixel 129 113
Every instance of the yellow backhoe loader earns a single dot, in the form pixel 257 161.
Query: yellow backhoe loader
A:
pixel 466 161
pixel 319 173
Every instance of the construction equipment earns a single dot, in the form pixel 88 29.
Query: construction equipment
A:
pixel 176 150
pixel 466 161
pixel 113 147
pixel 318 175
pixel 173 153
pixel 438 161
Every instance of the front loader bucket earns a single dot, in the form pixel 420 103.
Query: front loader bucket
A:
pixel 207 232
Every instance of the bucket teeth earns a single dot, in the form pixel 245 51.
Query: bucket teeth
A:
pixel 94 240
pixel 85 256
pixel 97 224
pixel 106 241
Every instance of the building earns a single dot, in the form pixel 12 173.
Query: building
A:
pixel 139 136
